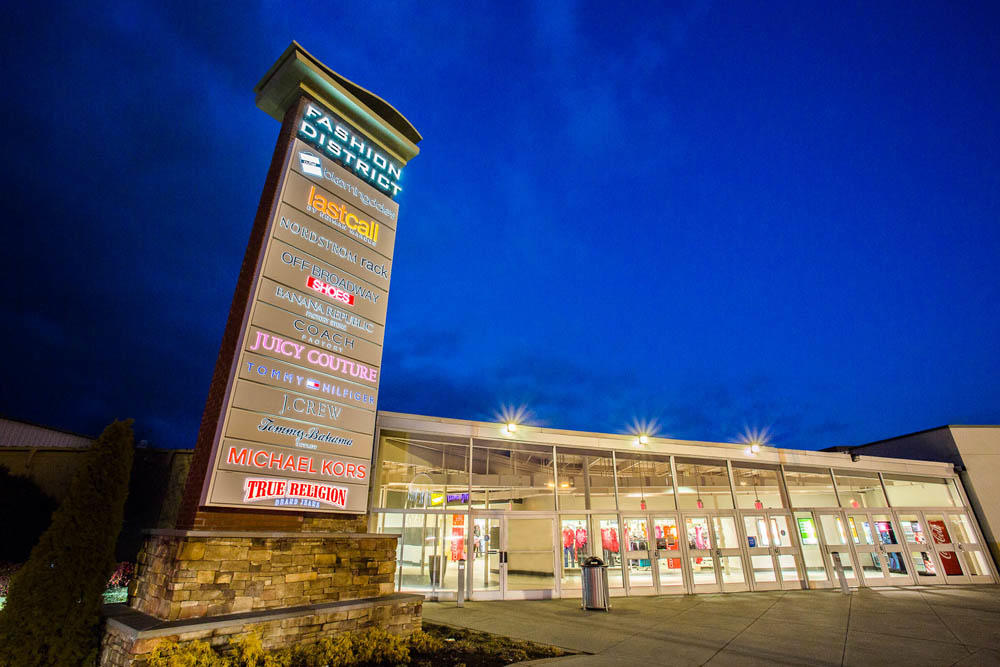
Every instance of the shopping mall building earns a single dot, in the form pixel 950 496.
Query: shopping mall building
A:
pixel 523 507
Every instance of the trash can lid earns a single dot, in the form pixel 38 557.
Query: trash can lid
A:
pixel 592 561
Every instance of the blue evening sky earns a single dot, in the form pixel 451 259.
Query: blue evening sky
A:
pixel 716 217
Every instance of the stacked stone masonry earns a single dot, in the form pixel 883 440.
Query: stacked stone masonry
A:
pixel 187 574
pixel 123 646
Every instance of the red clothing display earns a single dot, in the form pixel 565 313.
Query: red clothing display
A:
pixel 568 538
pixel 581 538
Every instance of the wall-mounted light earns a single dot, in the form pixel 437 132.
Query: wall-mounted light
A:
pixel 510 428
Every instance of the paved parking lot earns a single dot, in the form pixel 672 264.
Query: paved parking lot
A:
pixel 941 625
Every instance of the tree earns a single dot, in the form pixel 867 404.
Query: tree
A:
pixel 53 610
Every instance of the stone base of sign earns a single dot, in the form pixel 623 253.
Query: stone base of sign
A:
pixel 292 587
pixel 192 574
pixel 130 636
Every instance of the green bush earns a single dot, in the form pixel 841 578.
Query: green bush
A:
pixel 53 610
pixel 366 648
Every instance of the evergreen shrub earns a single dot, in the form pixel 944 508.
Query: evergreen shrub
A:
pixel 53 610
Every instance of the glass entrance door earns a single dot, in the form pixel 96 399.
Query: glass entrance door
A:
pixel 833 530
pixel 638 557
pixel 880 555
pixel 763 569
pixel 714 554
pixel 484 570
pixel 958 548
pixel 667 555
pixel 925 567
pixel 774 559
pixel 528 558
pixel 813 555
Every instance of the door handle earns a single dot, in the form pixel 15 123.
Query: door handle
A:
pixel 718 553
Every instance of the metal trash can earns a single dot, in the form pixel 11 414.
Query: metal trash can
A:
pixel 595 584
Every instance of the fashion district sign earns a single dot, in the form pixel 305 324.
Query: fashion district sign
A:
pixel 298 420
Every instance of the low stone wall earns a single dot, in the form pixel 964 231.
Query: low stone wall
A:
pixel 190 574
pixel 131 636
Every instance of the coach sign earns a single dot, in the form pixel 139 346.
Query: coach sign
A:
pixel 290 418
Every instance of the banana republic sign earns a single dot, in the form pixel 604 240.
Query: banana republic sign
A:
pixel 299 370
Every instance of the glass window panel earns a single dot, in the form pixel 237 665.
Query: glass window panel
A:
pixel 703 570
pixel 643 482
pixel 923 564
pixel 606 528
pixel 668 546
pixel 913 530
pixel 425 557
pixel 861 530
pixel 845 563
pixel 961 529
pixel 895 563
pixel 810 488
pixel 486 554
pixel 833 529
pixel 884 528
pixel 732 570
pixel 586 479
pixel 975 563
pixel 786 563
pixel 912 491
pixel 726 536
pixel 763 568
pixel 811 551
pixel 756 487
pixel 859 489
pixel 575 547
pixel 516 477
pixel 756 528
pixel 956 497
pixel 780 536
pixel 421 474
pixel 529 554
pixel 703 484
pixel 699 535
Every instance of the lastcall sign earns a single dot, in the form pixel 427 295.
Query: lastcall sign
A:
pixel 295 431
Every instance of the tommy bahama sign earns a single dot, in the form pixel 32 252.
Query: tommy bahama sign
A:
pixel 295 425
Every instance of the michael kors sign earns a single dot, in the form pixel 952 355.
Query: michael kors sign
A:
pixel 299 370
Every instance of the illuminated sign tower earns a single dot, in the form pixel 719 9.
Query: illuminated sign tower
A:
pixel 289 422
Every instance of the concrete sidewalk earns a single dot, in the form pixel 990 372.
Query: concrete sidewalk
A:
pixel 942 625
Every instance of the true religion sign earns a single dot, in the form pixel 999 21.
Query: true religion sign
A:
pixel 290 419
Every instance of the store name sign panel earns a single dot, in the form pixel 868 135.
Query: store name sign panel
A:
pixel 299 415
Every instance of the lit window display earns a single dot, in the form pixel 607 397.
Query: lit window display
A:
pixel 911 491
pixel 421 474
pixel 586 479
pixel 703 484
pixel 859 489
pixel 515 477
pixel 644 482
pixel 756 487
pixel 809 487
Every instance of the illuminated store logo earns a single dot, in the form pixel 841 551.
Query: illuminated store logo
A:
pixel 268 425
pixel 296 380
pixel 331 291
pixel 265 460
pixel 287 348
pixel 338 214
pixel 327 133
pixel 311 164
pixel 289 492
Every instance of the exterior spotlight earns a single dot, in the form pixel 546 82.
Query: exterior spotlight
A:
pixel 754 448
pixel 748 451
pixel 644 439
pixel 511 427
